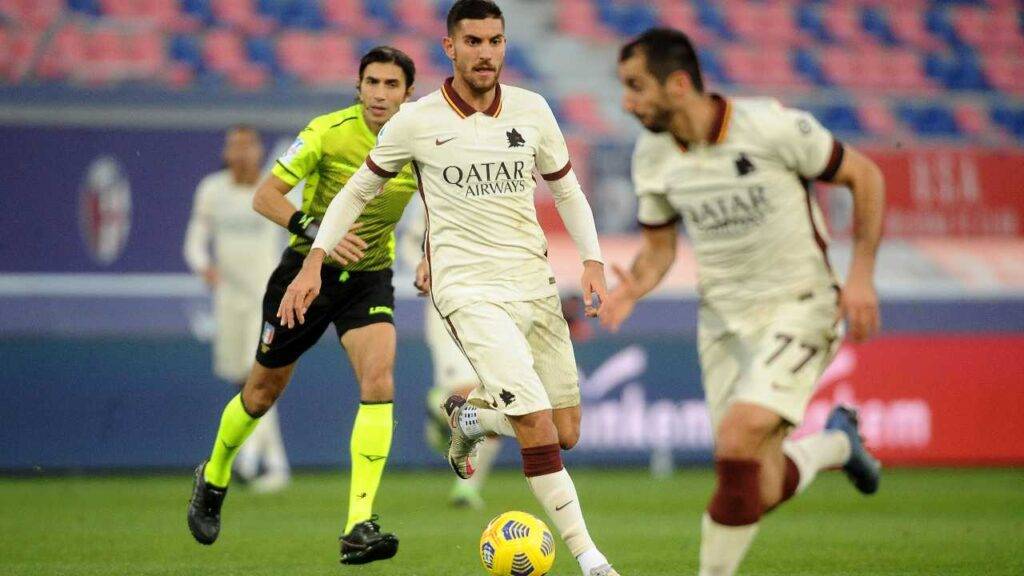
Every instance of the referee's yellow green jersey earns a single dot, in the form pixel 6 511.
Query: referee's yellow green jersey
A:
pixel 326 153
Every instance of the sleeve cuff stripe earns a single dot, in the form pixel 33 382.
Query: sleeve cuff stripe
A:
pixel 378 170
pixel 670 222
pixel 286 169
pixel 834 162
pixel 558 175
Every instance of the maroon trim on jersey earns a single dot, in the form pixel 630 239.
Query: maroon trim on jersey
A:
pixel 378 170
pixel 541 460
pixel 463 108
pixel 720 126
pixel 835 160
pixel 819 238
pixel 559 174
pixel 670 222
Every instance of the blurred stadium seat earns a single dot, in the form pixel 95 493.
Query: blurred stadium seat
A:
pixel 889 54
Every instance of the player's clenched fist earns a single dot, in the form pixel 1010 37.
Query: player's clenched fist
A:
pixel 593 284
pixel 302 291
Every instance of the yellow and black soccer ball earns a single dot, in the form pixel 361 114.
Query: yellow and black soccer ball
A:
pixel 517 544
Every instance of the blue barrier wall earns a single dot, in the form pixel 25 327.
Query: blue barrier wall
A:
pixel 115 402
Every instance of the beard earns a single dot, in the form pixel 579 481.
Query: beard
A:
pixel 658 121
pixel 481 85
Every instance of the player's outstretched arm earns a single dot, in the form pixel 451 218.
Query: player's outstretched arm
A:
pixel 657 253
pixel 341 214
pixel 859 301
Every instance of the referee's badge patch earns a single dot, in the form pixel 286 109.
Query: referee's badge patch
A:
pixel 268 333
pixel 289 155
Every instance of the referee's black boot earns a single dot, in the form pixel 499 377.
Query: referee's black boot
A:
pixel 366 543
pixel 204 508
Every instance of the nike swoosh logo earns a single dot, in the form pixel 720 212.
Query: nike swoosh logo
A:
pixel 372 457
pixel 439 142
pixel 229 446
pixel 557 508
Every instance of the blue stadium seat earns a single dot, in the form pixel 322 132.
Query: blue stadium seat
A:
pixel 840 118
pixel 712 68
pixel 515 58
pixel 186 49
pixel 438 58
pixel 302 14
pixel 936 21
pixel 382 10
pixel 808 18
pixel 958 71
pixel 1010 119
pixel 934 120
pixel 198 9
pixel 261 51
pixel 875 23
pixel 710 16
pixel 626 19
pixel 805 62
pixel 91 7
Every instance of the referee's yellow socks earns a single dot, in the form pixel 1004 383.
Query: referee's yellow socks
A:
pixel 235 426
pixel 369 448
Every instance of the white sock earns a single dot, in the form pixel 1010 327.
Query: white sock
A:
pixel 722 548
pixel 273 453
pixel 557 494
pixel 486 453
pixel 477 422
pixel 811 454
pixel 591 559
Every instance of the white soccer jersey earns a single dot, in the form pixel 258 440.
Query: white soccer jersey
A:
pixel 744 199
pixel 476 177
pixel 246 246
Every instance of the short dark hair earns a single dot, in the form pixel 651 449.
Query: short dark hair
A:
pixel 667 51
pixel 472 10
pixel 389 55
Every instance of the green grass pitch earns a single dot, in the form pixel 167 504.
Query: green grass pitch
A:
pixel 922 522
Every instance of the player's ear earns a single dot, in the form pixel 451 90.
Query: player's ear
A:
pixel 678 83
pixel 449 47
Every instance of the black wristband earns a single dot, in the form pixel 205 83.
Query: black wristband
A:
pixel 304 225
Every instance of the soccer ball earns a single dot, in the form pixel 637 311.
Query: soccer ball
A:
pixel 517 544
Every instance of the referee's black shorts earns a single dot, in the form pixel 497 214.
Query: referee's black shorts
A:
pixel 347 299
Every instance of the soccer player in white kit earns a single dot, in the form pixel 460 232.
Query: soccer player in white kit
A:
pixel 474 146
pixel 736 172
pixel 245 251
pixel 453 374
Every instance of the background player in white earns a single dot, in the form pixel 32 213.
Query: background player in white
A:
pixel 245 251
pixel 736 172
pixel 474 146
pixel 453 374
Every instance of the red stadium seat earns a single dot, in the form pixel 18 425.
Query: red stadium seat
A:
pixel 681 16
pixel 241 15
pixel 878 119
pixel 349 15
pixel 64 52
pixel 843 22
pixel 145 54
pixel 420 16
pixel 318 59
pixel 1005 70
pixel 249 77
pixel 767 23
pixel 988 29
pixel 584 111
pixel 223 50
pixel 908 24
pixel 580 18
pixel 16 50
pixel 763 67
pixel 33 14
pixel 896 70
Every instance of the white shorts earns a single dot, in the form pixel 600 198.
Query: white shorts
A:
pixel 237 335
pixel 521 352
pixel 771 356
pixel 451 369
